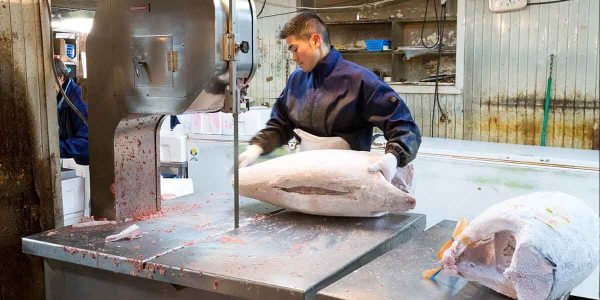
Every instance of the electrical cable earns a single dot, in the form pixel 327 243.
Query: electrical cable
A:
pixel 547 2
pixel 437 22
pixel 439 43
pixel 436 93
pixel 60 89
pixel 261 9
pixel 280 14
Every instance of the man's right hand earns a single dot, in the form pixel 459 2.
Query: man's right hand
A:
pixel 250 155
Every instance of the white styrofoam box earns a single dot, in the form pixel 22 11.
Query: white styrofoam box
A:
pixel 83 172
pixel 173 148
pixel 222 123
pixel 73 199
pixel 211 123
pixel 164 127
pixel 73 218
pixel 250 122
pixel 176 186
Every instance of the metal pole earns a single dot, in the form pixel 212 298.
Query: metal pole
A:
pixel 234 96
pixel 547 104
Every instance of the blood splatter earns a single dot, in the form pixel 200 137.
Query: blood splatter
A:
pixel 231 240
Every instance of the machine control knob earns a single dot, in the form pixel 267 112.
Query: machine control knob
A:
pixel 244 47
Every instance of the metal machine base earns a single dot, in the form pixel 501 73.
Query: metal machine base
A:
pixel 192 250
pixel 71 282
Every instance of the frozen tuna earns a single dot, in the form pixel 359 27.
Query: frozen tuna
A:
pixel 326 182
pixel 536 246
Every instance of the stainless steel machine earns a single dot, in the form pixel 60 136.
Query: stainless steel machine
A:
pixel 154 58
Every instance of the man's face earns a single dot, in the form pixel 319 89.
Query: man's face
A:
pixel 305 52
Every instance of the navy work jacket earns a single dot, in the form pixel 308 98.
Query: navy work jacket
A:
pixel 73 133
pixel 340 98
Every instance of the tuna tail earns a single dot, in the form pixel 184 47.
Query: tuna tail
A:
pixel 460 227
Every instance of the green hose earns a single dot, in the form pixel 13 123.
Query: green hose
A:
pixel 547 104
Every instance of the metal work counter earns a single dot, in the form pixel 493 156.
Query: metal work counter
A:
pixel 190 250
pixel 182 221
pixel 397 274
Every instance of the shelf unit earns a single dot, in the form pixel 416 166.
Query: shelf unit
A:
pixel 61 39
pixel 75 65
pixel 400 64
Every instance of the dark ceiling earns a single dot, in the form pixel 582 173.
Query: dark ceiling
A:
pixel 75 4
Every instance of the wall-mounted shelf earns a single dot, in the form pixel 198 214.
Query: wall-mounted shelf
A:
pixel 420 51
pixel 363 51
pixel 401 22
pixel 357 22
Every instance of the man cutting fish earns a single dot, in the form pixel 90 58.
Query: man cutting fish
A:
pixel 330 102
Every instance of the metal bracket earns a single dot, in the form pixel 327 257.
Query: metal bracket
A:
pixel 229 47
pixel 172 61
pixel 232 100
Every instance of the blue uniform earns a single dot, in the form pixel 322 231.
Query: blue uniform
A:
pixel 73 133
pixel 340 98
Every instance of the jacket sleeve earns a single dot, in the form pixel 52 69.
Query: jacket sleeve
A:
pixel 384 108
pixel 76 146
pixel 279 129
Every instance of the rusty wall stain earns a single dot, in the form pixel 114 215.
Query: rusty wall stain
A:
pixel 501 124
pixel 507 62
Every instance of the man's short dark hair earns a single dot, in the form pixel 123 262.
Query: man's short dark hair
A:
pixel 303 25
pixel 60 68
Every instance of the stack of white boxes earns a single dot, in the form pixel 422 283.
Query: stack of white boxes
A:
pixel 249 122
pixel 173 149
pixel 73 195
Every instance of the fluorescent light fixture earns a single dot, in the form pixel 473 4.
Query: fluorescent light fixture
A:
pixel 83 25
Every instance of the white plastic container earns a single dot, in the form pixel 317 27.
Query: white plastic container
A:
pixel 173 148
pixel 73 195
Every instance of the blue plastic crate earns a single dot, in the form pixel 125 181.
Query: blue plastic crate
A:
pixel 377 45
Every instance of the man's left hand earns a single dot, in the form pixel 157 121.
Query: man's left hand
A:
pixel 387 165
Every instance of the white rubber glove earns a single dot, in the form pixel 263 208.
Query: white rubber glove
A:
pixel 250 155
pixel 387 165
